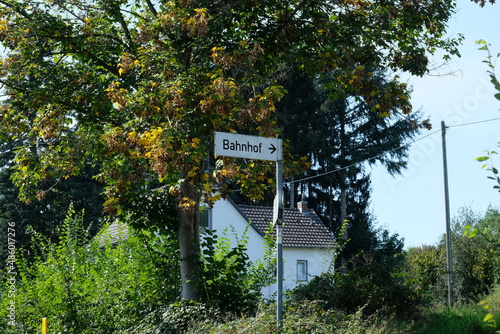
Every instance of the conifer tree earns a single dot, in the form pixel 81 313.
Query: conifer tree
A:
pixel 342 135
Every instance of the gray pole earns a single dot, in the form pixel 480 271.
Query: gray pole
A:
pixel 279 235
pixel 451 301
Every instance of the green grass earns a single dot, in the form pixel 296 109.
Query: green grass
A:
pixel 461 320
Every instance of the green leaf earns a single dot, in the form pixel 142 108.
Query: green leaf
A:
pixel 466 229
pixel 488 317
pixel 473 233
pixel 482 159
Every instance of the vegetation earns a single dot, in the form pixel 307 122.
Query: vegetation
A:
pixel 490 61
pixel 85 286
pixel 82 192
pixel 339 133
pixel 129 93
pixel 137 88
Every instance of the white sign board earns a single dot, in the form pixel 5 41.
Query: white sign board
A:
pixel 248 147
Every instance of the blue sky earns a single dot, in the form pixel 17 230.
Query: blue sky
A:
pixel 412 205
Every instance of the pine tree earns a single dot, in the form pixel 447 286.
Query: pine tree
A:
pixel 342 135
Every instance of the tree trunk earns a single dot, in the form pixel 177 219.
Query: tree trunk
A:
pixel 343 188
pixel 189 239
pixel 292 193
pixel 330 205
pixel 343 216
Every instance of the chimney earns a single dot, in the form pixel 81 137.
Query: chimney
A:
pixel 302 206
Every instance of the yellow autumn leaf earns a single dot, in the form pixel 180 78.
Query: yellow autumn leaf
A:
pixel 196 142
pixel 207 187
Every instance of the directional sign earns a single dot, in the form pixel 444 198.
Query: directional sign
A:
pixel 248 147
pixel 261 148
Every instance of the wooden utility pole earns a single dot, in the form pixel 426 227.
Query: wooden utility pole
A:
pixel 451 299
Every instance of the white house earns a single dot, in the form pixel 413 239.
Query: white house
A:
pixel 308 246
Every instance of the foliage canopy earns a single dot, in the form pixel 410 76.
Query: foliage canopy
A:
pixel 140 86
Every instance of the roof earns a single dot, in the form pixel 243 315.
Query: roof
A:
pixel 114 233
pixel 299 229
pixel 304 230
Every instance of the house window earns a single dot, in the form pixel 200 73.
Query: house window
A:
pixel 206 218
pixel 301 270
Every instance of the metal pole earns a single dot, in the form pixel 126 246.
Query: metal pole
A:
pixel 279 235
pixel 451 300
pixel 45 326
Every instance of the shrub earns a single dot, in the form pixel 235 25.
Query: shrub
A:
pixel 175 318
pixel 307 318
pixel 492 305
pixel 83 287
pixel 368 287
pixel 224 281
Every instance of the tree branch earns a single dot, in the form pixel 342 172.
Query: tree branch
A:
pixel 126 31
pixel 17 8
pixel 152 8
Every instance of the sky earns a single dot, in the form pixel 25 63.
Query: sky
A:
pixel 413 204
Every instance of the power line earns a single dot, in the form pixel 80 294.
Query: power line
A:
pixel 359 162
pixel 387 152
pixel 472 123
pixel 382 154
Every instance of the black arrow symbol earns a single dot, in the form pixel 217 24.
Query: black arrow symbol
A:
pixel 272 148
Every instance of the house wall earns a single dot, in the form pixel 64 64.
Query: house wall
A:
pixel 224 214
pixel 318 262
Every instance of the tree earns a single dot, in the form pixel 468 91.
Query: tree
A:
pixel 496 84
pixel 426 271
pixel 140 86
pixel 81 192
pixel 475 260
pixel 341 135
pixel 483 2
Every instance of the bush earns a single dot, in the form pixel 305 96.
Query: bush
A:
pixel 367 287
pixel 83 287
pixel 306 318
pixel 225 280
pixel 175 318
pixel 492 305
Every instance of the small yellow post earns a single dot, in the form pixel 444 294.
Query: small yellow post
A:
pixel 45 326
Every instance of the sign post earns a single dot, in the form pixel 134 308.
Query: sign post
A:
pixel 278 213
pixel 262 148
